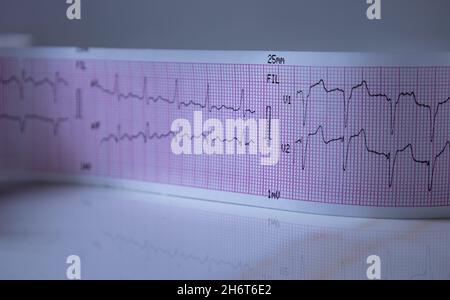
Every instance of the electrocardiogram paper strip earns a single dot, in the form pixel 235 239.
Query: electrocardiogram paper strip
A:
pixel 375 136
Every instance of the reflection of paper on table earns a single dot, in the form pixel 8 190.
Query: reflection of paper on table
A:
pixel 15 40
pixel 126 234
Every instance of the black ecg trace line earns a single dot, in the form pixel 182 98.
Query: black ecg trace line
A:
pixel 393 103
pixel 23 79
pixel 22 121
pixel 115 91
pixel 391 157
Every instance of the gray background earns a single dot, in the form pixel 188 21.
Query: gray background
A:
pixel 320 25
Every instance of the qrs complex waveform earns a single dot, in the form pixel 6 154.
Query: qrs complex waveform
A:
pixel 145 135
pixel 22 121
pixel 391 158
pixel 393 103
pixel 175 99
pixel 347 135
pixel 24 79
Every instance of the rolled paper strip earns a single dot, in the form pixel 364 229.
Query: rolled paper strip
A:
pixel 362 134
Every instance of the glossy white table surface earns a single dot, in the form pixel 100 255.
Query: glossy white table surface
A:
pixel 125 234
